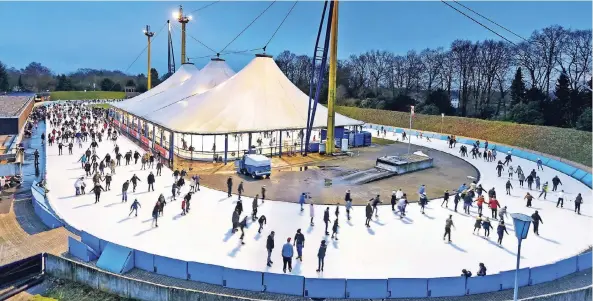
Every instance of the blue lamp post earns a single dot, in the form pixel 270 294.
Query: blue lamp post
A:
pixel 521 223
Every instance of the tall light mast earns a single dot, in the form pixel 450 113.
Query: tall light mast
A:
pixel 148 35
pixel 333 68
pixel 183 20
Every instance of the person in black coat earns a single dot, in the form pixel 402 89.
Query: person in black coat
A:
pixel 536 220
pixel 369 213
pixel 262 221
pixel 270 247
pixel 321 256
pixel 97 190
pixel 124 191
pixel 555 182
pixel 150 181
pixel 134 181
pixel 239 207
pixel 229 184
pixel 326 219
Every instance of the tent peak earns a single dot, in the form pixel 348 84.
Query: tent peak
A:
pixel 263 55
pixel 217 59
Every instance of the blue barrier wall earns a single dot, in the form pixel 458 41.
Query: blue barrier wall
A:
pixel 407 287
pixel 242 279
pixel 170 267
pixel 144 261
pixel 507 278
pixel 366 288
pixel 46 217
pixel 325 288
pixel 446 287
pixel 206 273
pixel 91 241
pixel 485 284
pixel 542 274
pixel 284 284
pixel 116 259
pixel 80 250
pixel 584 261
pixel 566 267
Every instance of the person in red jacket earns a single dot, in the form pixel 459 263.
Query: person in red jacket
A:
pixel 494 205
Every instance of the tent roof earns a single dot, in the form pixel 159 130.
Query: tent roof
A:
pixel 258 98
pixel 185 72
pixel 214 73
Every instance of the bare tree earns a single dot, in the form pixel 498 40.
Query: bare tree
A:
pixel 575 58
pixel 550 41
pixel 359 65
pixel 378 62
pixel 432 61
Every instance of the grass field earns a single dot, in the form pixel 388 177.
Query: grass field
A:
pixel 76 95
pixel 102 105
pixel 381 141
pixel 569 144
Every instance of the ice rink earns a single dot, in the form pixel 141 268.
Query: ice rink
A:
pixel 412 247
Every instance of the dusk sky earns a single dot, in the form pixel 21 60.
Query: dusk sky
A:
pixel 65 36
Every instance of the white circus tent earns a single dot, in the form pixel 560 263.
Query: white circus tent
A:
pixel 185 72
pixel 214 73
pixel 258 98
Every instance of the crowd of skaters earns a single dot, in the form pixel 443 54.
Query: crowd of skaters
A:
pixel 78 123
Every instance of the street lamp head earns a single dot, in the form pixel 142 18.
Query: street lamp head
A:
pixel 521 223
pixel 176 15
pixel 190 17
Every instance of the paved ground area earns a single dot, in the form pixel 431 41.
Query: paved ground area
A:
pixel 22 234
pixel 287 183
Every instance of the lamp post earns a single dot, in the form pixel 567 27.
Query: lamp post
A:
pixel 442 121
pixel 521 223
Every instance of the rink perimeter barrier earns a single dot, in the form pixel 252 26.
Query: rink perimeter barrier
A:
pixel 334 288
pixel 340 288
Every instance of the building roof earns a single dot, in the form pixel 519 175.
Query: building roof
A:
pixel 11 105
pixel 258 98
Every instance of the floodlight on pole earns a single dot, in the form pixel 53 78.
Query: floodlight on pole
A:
pixel 183 20
pixel 521 222
pixel 149 35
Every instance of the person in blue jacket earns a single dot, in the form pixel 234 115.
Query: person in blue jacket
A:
pixel 287 253
pixel 302 200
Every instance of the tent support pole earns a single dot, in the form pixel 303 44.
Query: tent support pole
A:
pixel 249 145
pixel 153 135
pixel 171 146
pixel 226 146
pixel 280 145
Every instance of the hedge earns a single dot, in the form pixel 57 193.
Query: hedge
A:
pixel 79 95
pixel 570 144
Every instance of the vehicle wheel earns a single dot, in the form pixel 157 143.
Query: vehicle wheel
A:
pixel 254 176
pixel 267 176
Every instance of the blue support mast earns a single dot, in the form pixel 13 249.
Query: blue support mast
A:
pixel 319 63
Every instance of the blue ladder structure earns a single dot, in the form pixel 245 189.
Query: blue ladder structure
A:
pixel 319 64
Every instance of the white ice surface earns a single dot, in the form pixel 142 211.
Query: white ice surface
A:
pixel 412 247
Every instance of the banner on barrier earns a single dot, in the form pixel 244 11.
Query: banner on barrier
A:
pixel 134 133
pixel 124 128
pixel 161 151
pixel 116 122
pixel 145 141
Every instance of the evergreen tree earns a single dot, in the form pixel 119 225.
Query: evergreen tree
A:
pixel 584 121
pixel 106 84
pixel 154 78
pixel 4 87
pixel 564 101
pixel 518 88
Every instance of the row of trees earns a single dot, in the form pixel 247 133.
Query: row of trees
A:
pixel 36 78
pixel 476 74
